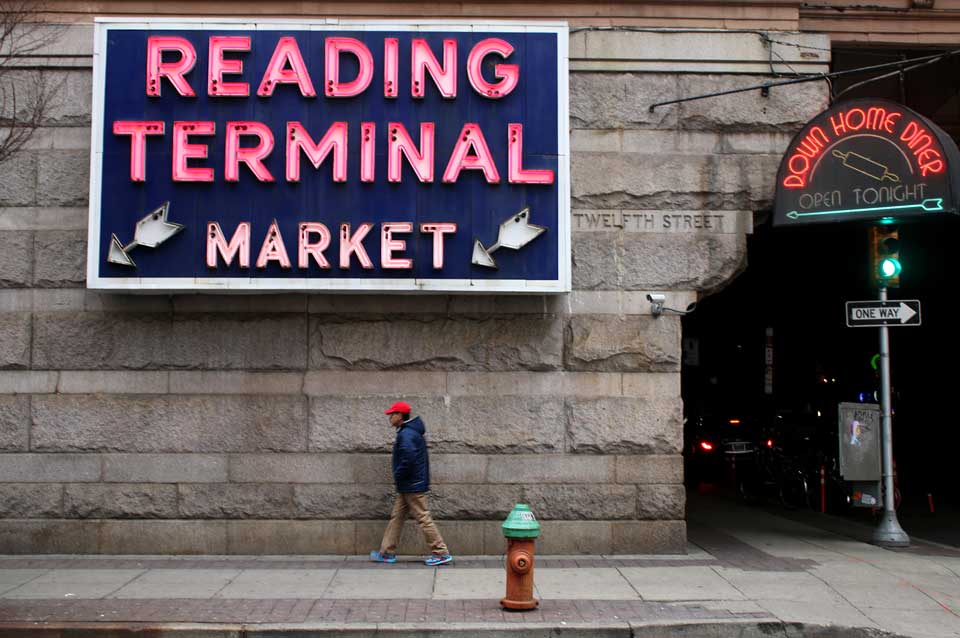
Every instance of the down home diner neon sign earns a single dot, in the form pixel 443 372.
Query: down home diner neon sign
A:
pixel 332 155
pixel 866 159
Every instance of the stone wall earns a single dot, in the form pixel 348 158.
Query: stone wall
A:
pixel 253 424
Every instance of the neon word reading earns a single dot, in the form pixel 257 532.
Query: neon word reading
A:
pixel 917 142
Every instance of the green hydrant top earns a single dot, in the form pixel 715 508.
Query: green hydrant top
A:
pixel 521 523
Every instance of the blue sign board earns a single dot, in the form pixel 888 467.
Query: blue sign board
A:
pixel 331 155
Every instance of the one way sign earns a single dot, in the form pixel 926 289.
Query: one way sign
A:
pixel 900 312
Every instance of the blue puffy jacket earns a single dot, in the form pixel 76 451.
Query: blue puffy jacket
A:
pixel 411 464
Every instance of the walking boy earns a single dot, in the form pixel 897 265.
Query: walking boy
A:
pixel 411 474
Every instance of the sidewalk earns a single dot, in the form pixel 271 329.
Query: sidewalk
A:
pixel 747 573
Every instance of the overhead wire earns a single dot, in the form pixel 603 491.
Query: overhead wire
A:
pixel 901 66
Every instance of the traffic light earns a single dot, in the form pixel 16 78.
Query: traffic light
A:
pixel 885 255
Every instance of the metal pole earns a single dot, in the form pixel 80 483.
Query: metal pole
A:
pixel 888 533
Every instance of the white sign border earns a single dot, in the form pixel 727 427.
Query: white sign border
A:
pixel 394 285
pixel 870 302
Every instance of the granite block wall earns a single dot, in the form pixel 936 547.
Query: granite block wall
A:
pixel 253 424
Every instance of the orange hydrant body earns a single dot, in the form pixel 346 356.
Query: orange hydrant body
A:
pixel 521 529
pixel 519 575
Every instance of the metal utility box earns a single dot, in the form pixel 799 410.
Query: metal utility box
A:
pixel 859 436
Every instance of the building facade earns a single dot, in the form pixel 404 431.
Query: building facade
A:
pixel 248 424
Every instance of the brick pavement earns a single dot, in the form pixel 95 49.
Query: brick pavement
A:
pixel 355 611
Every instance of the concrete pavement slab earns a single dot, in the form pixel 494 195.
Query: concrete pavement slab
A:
pixel 693 553
pixel 299 558
pixel 950 562
pixel 74 583
pixel 583 583
pixel 382 584
pixel 948 600
pixel 944 588
pixel 840 614
pixel 680 583
pixel 733 606
pixel 865 585
pixel 796 586
pixel 470 584
pixel 177 583
pixel 937 622
pixel 13 578
pixel 849 571
pixel 904 563
pixel 899 596
pixel 19 576
pixel 278 583
pixel 783 546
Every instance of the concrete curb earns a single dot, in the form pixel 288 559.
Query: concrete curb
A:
pixel 697 629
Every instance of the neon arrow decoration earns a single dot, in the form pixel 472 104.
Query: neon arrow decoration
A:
pixel 515 233
pixel 151 231
pixel 932 205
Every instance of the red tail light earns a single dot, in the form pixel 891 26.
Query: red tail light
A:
pixel 769 442
pixel 706 445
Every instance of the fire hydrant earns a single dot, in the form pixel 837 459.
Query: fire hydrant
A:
pixel 520 530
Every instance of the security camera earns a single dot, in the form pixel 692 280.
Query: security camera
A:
pixel 656 303
pixel 657 308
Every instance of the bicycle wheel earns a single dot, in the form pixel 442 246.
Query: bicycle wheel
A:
pixel 793 492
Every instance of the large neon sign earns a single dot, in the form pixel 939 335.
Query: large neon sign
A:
pixel 330 156
pixel 866 159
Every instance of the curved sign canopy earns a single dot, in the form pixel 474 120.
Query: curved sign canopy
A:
pixel 867 159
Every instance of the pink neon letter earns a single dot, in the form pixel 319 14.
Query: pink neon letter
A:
pixel 252 157
pixel 444 77
pixel 391 66
pixel 516 173
pixel 306 248
pixel 350 245
pixel 173 71
pixel 273 248
pixel 286 52
pixel 368 152
pixel 182 151
pixel 439 230
pixel 471 137
pixel 138 131
pixel 219 66
pixel 421 160
pixel 508 74
pixel 388 244
pixel 217 245
pixel 336 46
pixel 335 138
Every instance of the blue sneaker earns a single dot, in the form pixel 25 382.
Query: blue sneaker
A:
pixel 438 559
pixel 377 557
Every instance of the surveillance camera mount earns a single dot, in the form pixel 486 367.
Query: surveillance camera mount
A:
pixel 657 308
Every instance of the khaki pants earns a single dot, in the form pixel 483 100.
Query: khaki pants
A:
pixel 416 505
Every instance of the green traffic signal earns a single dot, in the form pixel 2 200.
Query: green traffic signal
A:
pixel 885 254
pixel 890 267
